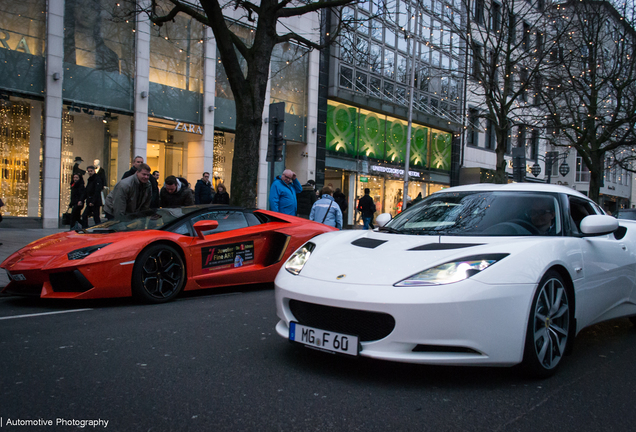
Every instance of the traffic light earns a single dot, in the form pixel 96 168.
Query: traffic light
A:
pixel 276 132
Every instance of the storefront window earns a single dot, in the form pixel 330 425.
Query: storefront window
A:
pixel 20 157
pixel 22 36
pixel 341 128
pixel 376 191
pixel 176 70
pixel 222 160
pixel 441 150
pixel 99 62
pixel 225 109
pixel 290 67
pixel 93 137
pixel 371 131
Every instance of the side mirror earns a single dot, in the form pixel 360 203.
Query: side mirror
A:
pixel 595 225
pixel 383 219
pixel 205 225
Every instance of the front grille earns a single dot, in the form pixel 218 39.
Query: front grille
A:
pixel 444 349
pixel 368 326
pixel 25 290
pixel 71 281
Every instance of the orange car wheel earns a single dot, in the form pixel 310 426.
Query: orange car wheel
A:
pixel 159 274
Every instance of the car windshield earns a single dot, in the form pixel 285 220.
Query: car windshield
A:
pixel 148 219
pixel 482 214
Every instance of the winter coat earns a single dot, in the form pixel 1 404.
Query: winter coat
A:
pixel 327 211
pixel 366 206
pixel 306 200
pixel 94 190
pixel 183 196
pixel 221 198
pixel 341 200
pixel 282 196
pixel 78 193
pixel 154 187
pixel 130 172
pixel 128 196
pixel 202 192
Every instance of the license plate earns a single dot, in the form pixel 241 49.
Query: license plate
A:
pixel 17 277
pixel 323 339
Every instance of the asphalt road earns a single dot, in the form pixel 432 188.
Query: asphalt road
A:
pixel 214 362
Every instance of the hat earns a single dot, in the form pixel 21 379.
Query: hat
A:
pixel 311 182
pixel 79 159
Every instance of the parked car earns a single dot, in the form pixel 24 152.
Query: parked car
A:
pixel 474 275
pixel 156 254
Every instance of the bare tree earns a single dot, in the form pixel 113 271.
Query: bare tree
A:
pixel 246 63
pixel 591 90
pixel 506 48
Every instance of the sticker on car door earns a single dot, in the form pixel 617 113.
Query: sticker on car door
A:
pixel 227 256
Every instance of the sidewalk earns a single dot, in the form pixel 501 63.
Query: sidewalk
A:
pixel 13 239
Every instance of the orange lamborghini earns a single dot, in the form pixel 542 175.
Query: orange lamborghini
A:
pixel 154 255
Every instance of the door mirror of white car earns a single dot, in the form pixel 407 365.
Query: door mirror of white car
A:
pixel 383 219
pixel 594 225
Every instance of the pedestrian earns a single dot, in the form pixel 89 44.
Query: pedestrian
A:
pixel 326 210
pixel 93 197
pixel 306 199
pixel 221 196
pixel 366 207
pixel 282 194
pixel 154 187
pixel 175 193
pixel 341 200
pixel 78 195
pixel 137 161
pixel 203 190
pixel 130 195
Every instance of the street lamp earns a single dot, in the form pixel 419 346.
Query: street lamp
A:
pixel 551 158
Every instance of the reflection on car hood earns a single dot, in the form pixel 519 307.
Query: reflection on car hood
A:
pixel 377 258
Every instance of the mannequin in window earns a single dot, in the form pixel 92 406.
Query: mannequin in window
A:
pixel 101 172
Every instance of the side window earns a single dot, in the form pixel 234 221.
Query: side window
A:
pixel 251 219
pixel 579 208
pixel 228 220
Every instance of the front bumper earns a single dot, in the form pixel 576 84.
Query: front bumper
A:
pixel 464 323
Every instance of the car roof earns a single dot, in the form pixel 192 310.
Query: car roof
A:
pixel 515 187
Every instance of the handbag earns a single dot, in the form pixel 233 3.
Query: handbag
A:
pixel 66 218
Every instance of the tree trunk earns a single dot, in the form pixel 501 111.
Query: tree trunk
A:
pixel 596 176
pixel 500 170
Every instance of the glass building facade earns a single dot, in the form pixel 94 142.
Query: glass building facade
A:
pixel 126 88
pixel 369 92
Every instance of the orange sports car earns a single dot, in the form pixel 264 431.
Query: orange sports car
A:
pixel 154 255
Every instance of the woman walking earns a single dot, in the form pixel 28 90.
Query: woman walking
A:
pixel 326 210
pixel 78 195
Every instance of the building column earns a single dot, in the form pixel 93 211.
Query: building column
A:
pixel 262 192
pixel 142 86
pixel 51 170
pixel 201 153
pixel 312 112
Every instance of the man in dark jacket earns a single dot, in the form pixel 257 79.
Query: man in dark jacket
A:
pixel 203 190
pixel 136 164
pixel 154 185
pixel 93 197
pixel 366 207
pixel 175 193
pixel 306 199
pixel 341 200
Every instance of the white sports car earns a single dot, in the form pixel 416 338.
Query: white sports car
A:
pixel 473 275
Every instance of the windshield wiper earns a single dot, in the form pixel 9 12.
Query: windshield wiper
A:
pixel 389 229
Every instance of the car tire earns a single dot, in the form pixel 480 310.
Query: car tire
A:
pixel 158 275
pixel 549 323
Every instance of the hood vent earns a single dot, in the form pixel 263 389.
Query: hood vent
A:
pixel 367 243
pixel 443 246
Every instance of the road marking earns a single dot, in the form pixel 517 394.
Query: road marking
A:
pixel 44 313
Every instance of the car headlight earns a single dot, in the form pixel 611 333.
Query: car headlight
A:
pixel 297 261
pixel 84 252
pixel 453 271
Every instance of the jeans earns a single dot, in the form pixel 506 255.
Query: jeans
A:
pixel 91 211
pixel 366 222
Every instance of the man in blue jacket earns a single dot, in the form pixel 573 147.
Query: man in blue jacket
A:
pixel 282 195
